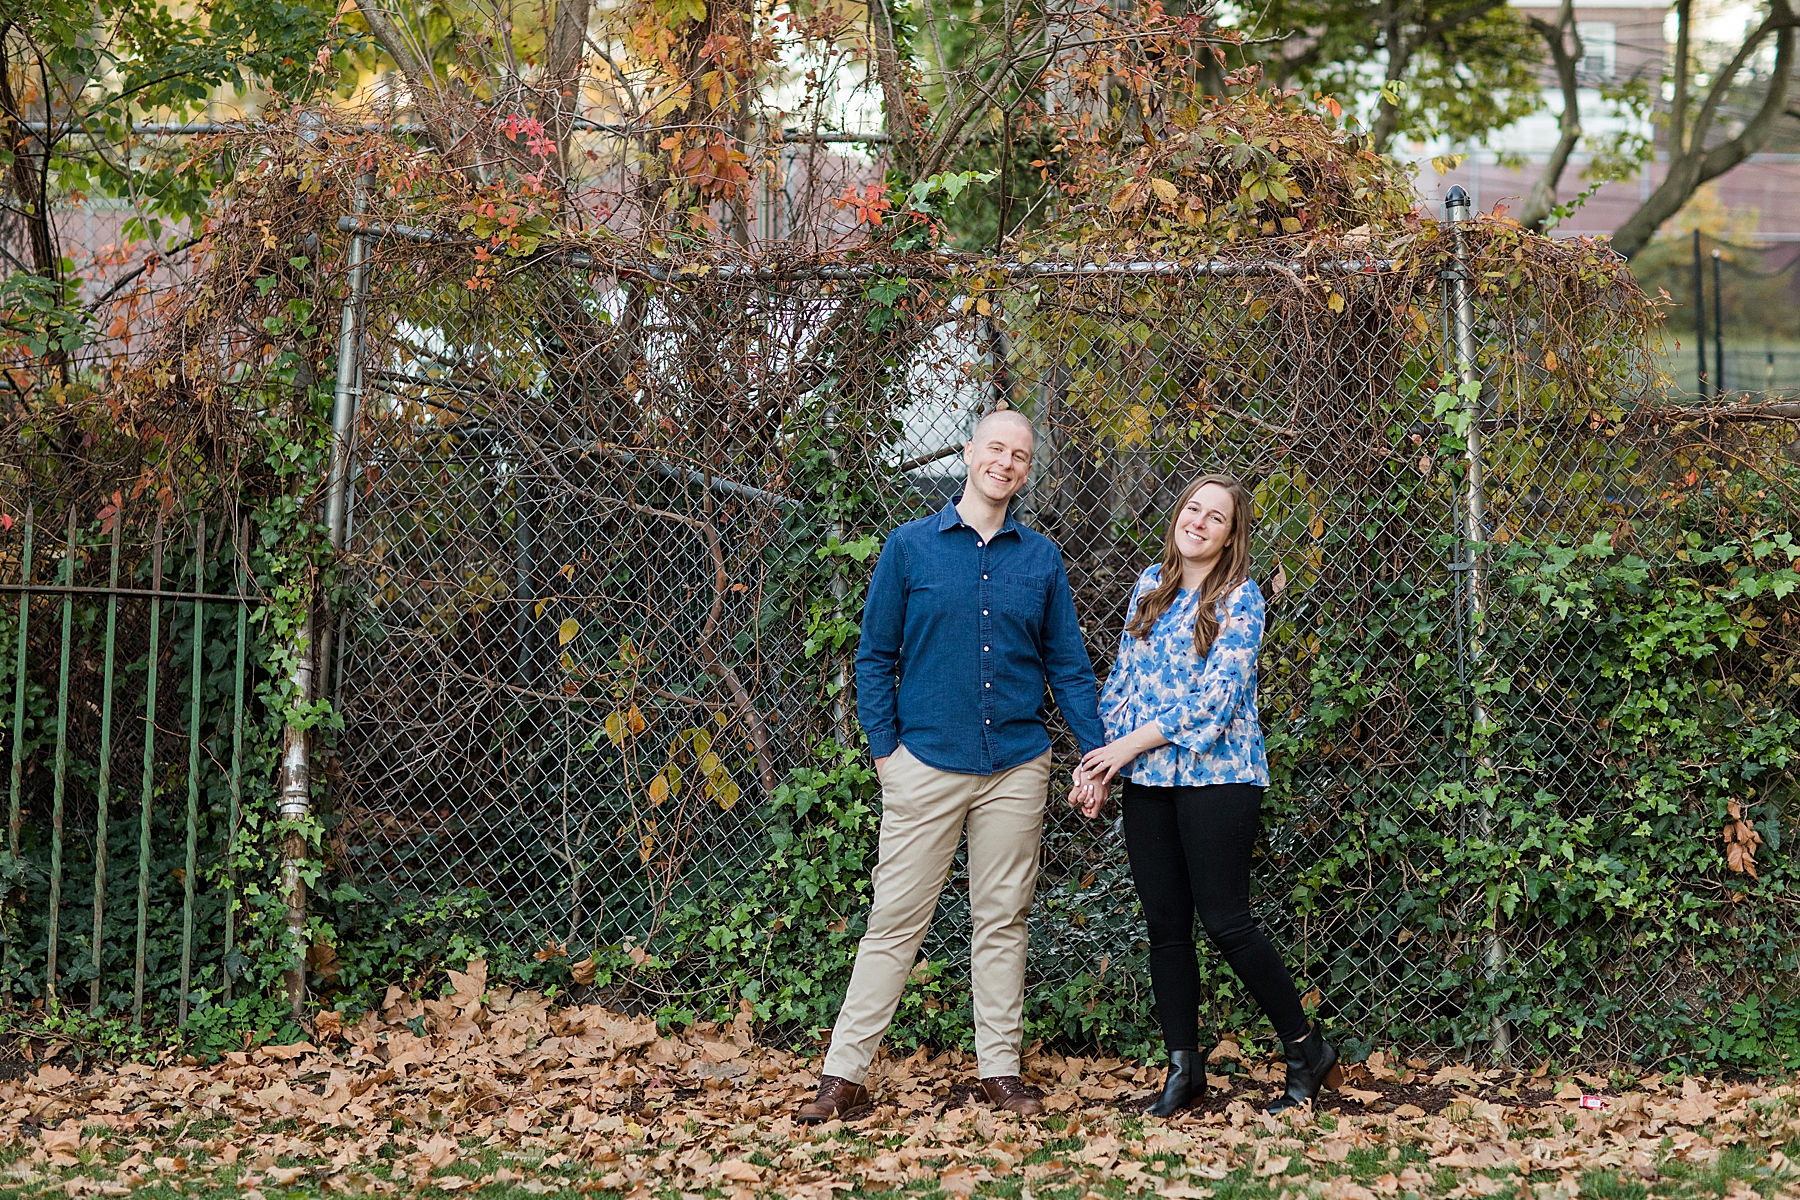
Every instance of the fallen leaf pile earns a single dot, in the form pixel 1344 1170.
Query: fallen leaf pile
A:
pixel 498 1093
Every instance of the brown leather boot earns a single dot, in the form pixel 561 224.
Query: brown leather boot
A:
pixel 836 1098
pixel 1008 1092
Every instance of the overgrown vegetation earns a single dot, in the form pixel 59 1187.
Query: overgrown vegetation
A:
pixel 664 676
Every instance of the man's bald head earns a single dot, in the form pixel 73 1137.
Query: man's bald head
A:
pixel 1003 416
pixel 999 456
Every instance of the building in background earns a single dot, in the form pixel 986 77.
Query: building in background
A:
pixel 1751 214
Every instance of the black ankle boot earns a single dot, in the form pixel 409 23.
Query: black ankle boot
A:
pixel 1311 1065
pixel 1185 1085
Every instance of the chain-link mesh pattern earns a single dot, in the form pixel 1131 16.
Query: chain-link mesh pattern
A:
pixel 599 518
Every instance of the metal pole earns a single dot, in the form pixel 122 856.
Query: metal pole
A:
pixel 294 799
pixel 1474 522
pixel 294 804
pixel 61 777
pixel 144 819
pixel 345 397
pixel 1699 317
pixel 13 819
pixel 1718 330
pixel 104 788
pixel 237 761
pixel 196 686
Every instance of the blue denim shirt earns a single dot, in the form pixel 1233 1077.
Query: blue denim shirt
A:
pixel 1205 707
pixel 959 637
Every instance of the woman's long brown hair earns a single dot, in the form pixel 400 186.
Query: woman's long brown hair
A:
pixel 1230 569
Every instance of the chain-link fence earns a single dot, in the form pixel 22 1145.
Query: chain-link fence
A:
pixel 608 521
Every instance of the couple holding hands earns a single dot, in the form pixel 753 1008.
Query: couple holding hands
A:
pixel 968 618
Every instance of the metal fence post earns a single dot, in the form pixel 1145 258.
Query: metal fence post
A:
pixel 1474 535
pixel 294 803
pixel 346 399
pixel 345 395
pixel 311 653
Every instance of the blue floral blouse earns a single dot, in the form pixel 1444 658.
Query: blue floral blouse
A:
pixel 1206 710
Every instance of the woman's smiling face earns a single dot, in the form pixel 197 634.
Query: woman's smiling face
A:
pixel 1203 526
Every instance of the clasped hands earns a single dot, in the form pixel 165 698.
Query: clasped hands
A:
pixel 1090 783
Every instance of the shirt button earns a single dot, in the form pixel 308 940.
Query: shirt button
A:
pixel 984 576
pixel 984 612
pixel 987 685
pixel 985 649
pixel 979 543
pixel 987 722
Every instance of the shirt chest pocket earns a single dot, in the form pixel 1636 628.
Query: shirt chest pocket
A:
pixel 1022 596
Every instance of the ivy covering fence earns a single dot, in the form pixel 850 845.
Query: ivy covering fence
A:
pixel 556 624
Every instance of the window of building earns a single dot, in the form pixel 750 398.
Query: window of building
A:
pixel 1599 49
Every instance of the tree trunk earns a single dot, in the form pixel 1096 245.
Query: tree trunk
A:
pixel 563 59
pixel 893 85
pixel 1543 193
pixel 1695 164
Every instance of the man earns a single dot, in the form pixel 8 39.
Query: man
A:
pixel 968 616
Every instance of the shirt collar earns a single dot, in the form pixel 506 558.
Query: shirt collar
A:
pixel 951 519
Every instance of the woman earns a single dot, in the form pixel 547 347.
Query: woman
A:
pixel 1180 708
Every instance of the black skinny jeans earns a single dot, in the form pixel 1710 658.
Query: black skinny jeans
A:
pixel 1190 849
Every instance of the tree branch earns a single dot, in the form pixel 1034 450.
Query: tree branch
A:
pixel 1696 165
pixel 1543 193
pixel 421 79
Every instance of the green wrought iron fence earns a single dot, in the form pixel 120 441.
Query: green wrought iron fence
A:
pixel 130 649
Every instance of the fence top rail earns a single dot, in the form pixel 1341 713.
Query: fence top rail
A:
pixel 62 589
pixel 940 266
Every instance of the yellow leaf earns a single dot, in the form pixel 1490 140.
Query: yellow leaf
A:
pixel 727 795
pixel 1549 360
pixel 1165 191
pixel 634 720
pixel 568 631
pixel 709 762
pixel 615 729
pixel 659 788
pixel 568 571
pixel 1123 197
pixel 537 610
pixel 1137 427
pixel 1318 525
pixel 1335 302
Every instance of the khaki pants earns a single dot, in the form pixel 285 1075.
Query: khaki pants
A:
pixel 924 812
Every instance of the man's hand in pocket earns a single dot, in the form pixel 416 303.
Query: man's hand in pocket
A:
pixel 881 766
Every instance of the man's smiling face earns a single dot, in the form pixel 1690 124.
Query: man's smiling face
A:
pixel 999 458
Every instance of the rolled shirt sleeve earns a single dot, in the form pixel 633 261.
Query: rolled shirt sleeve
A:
pixel 1196 720
pixel 878 651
